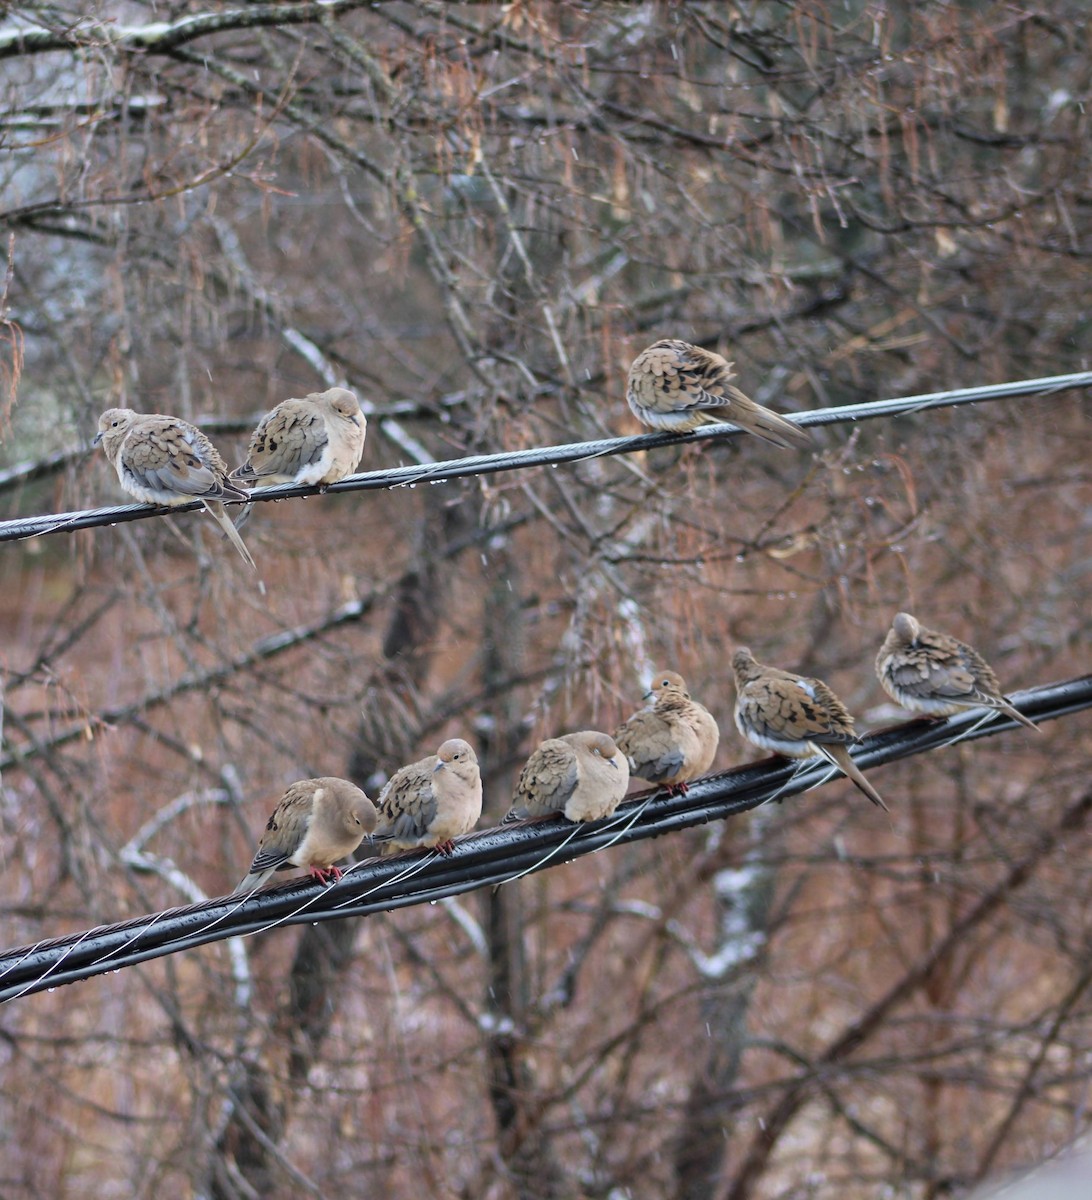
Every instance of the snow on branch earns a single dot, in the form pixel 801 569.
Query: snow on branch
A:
pixel 160 37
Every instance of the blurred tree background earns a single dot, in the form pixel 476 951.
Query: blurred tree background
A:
pixel 476 215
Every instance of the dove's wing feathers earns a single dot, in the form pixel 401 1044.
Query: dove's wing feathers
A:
pixel 284 834
pixel 547 781
pixel 286 442
pixel 407 804
pixel 652 746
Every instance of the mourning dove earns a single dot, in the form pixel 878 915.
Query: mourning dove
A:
pixel 673 741
pixel 583 775
pixel 431 802
pixel 936 674
pixel 168 461
pixel 317 440
pixel 676 387
pixel 796 716
pixel 317 822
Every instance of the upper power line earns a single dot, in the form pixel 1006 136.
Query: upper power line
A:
pixel 513 460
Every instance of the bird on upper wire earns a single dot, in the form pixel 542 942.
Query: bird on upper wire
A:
pixel 675 386
pixel 167 461
pixel 795 716
pixel 936 674
pixel 316 440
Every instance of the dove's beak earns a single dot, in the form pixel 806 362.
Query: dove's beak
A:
pixel 97 439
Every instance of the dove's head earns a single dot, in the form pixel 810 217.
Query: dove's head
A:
pixel 667 683
pixel 743 664
pixel 905 628
pixel 343 402
pixel 601 745
pixel 455 753
pixel 114 424
pixel 361 815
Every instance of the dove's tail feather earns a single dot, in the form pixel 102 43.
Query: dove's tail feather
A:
pixel 1015 713
pixel 251 882
pixel 744 412
pixel 244 474
pixel 840 757
pixel 216 509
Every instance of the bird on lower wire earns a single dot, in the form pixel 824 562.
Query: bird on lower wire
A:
pixel 316 440
pixel 431 802
pixel 582 775
pixel 316 823
pixel 936 674
pixel 795 716
pixel 674 740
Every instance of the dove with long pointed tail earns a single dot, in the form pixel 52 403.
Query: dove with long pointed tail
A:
pixel 317 823
pixel 795 716
pixel 167 461
pixel 675 386
pixel 936 674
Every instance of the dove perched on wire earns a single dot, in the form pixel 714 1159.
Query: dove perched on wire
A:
pixel 431 802
pixel 317 440
pixel 675 387
pixel 316 823
pixel 935 674
pixel 795 716
pixel 581 775
pixel 674 740
pixel 167 461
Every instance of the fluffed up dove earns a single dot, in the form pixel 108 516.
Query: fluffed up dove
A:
pixel 433 801
pixel 317 822
pixel 581 775
pixel 674 740
pixel 676 387
pixel 317 440
pixel 167 461
pixel 935 674
pixel 795 716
